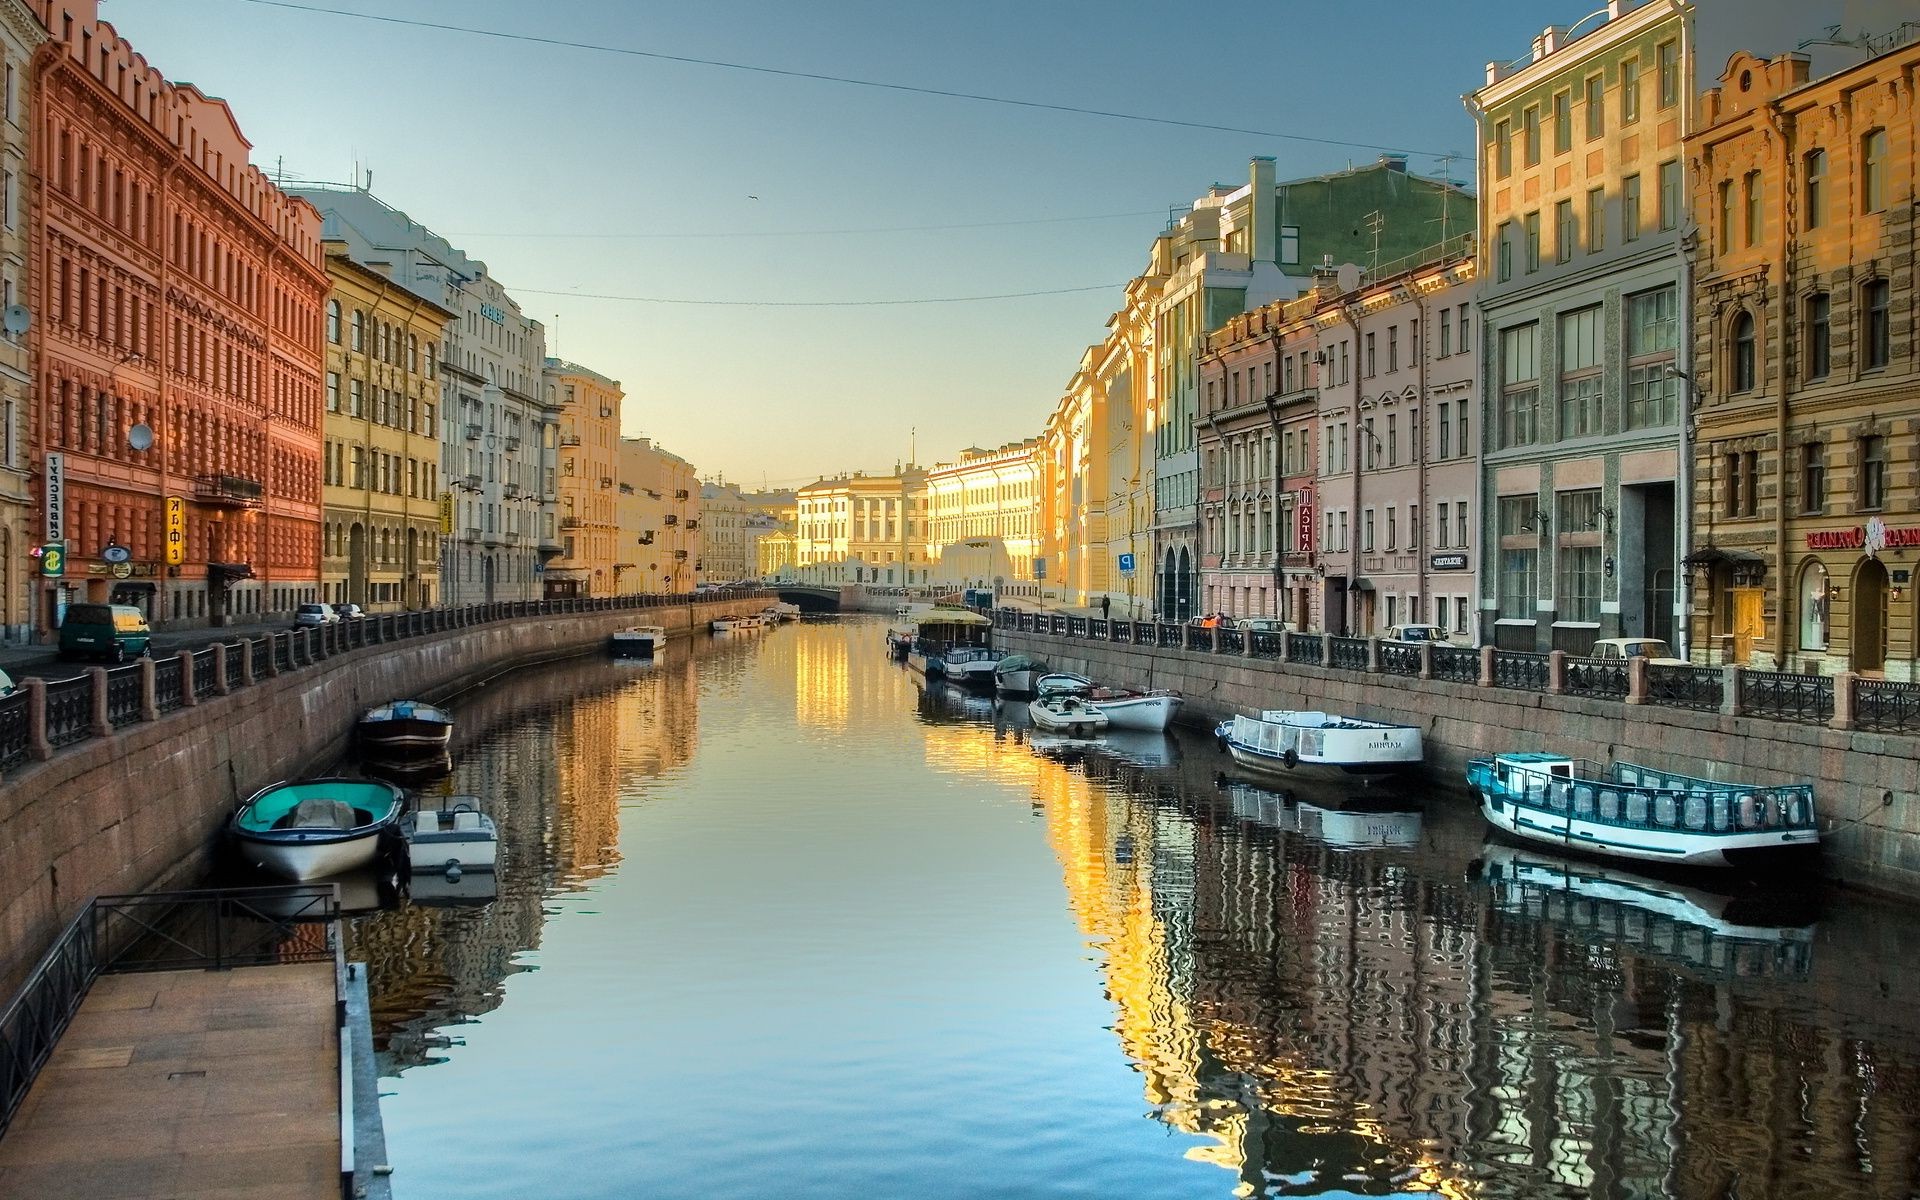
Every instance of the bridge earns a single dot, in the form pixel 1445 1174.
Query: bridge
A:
pixel 810 598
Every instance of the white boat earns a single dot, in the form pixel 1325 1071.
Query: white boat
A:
pixel 1637 813
pixel 315 828
pixel 405 726
pixel 1016 675
pixel 638 641
pixel 945 630
pixel 1066 714
pixel 1062 683
pixel 1147 712
pixel 970 666
pixel 1281 741
pixel 783 610
pixel 733 624
pixel 457 836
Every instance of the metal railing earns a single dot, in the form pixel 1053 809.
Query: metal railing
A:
pixel 1521 671
pixel 236 656
pixel 1350 653
pixel 204 683
pixel 1886 707
pixel 1606 679
pixel 14 741
pixel 1702 689
pixel 1233 641
pixel 125 691
pixel 1266 643
pixel 1456 664
pixel 69 709
pixel 167 695
pixel 1399 659
pixel 1807 699
pixel 1307 649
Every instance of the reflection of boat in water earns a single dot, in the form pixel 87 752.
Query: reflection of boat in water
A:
pixel 363 891
pixel 417 771
pixel 451 889
pixel 1750 934
pixel 1139 749
pixel 1362 826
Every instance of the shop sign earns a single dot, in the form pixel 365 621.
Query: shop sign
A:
pixel 1447 562
pixel 1872 537
pixel 176 531
pixel 446 513
pixel 1303 518
pixel 53 477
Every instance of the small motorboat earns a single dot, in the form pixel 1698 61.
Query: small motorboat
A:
pixel 1066 714
pixel 970 666
pixel 1280 742
pixel 455 837
pixel 314 828
pixel 734 624
pixel 638 641
pixel 1633 812
pixel 406 726
pixel 1016 674
pixel 1063 683
pixel 783 610
pixel 1147 712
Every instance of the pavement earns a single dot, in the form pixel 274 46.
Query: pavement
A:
pixel 44 661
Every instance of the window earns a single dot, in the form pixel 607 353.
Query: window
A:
pixel 1873 472
pixel 1465 345
pixel 1393 348
pixel 1564 231
pixel 1668 56
pixel 1580 352
pixel 1562 122
pixel 1460 518
pixel 333 391
pixel 1578 553
pixel 1670 199
pixel 1873 171
pixel 1630 209
pixel 1446 336
pixel 333 321
pixel 359 342
pixel 1289 245
pixel 1813 191
pixel 1740 364
pixel 1596 106
pixel 1393 440
pixel 1442 525
pixel 356 401
pixel 1743 483
pixel 1393 540
pixel 1813 607
pixel 1503 252
pixel 1519 383
pixel 1446 433
pixel 1370 363
pixel 1533 241
pixel 1724 235
pixel 1596 220
pixel 1813 477
pixel 1819 336
pixel 1629 91
pixel 1652 338
pixel 1366 532
pixel 1750 200
pixel 1877 332
pixel 1519 551
pixel 1530 134
pixel 1503 148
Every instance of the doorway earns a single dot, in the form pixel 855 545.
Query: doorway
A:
pixel 1869 655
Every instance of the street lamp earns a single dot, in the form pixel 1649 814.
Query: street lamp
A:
pixel 1684 573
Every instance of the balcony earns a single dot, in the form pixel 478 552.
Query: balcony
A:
pixel 227 491
pixel 513 442
pixel 473 433
pixel 470 534
pixel 511 491
pixel 670 519
pixel 693 525
pixel 491 539
pixel 571 523
pixel 513 537
pixel 569 439
pixel 470 482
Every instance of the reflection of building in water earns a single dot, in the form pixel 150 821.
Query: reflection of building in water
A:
pixel 656 718
pixel 823 684
pixel 586 825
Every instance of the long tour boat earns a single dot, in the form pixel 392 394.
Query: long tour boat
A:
pixel 1633 812
pixel 1280 742
pixel 947 636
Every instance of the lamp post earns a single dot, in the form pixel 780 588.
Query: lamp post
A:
pixel 1683 573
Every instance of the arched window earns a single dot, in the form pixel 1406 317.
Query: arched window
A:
pixel 1740 354
pixel 359 342
pixel 333 321
pixel 1813 607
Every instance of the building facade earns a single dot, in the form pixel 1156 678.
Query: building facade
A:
pixel 1804 357
pixel 21 34
pixel 657 507
pixel 499 446
pixel 1582 209
pixel 176 339
pixel 863 529
pixel 380 460
pixel 982 515
pixel 588 404
pixel 732 525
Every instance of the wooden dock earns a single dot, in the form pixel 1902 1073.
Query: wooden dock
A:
pixel 208 1084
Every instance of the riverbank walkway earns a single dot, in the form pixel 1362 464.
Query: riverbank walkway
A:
pixel 187 1084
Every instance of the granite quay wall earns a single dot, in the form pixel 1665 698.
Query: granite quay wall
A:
pixel 1853 738
pixel 119 780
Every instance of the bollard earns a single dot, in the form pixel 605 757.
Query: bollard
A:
pixel 1326 650
pixel 149 702
pixel 246 663
pixel 1637 689
pixel 1426 660
pixel 102 723
pixel 1373 656
pixel 1213 640
pixel 1730 695
pixel 220 668
pixel 1286 650
pixel 37 744
pixel 187 697
pixel 1246 643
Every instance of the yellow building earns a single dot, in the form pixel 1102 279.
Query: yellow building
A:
pixel 982 516
pixel 589 405
pixel 657 548
pixel 863 528
pixel 776 551
pixel 380 473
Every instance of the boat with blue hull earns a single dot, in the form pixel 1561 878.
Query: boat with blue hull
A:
pixel 1641 814
pixel 315 828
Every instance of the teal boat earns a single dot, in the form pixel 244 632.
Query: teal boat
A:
pixel 316 828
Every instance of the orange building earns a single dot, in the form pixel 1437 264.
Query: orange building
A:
pixel 177 338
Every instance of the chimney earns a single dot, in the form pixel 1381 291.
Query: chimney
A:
pixel 1548 42
pixel 1618 8
pixel 1394 162
pixel 1260 247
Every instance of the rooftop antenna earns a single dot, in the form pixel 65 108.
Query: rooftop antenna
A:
pixel 1446 193
pixel 1375 221
pixel 913 443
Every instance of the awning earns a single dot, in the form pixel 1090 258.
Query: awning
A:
pixel 1363 584
pixel 1710 556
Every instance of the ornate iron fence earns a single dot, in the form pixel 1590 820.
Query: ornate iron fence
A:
pixel 69 709
pixel 1886 707
pixel 1266 643
pixel 1306 648
pixel 1807 699
pixel 1606 680
pixel 1097 629
pixel 1350 654
pixel 1171 636
pixel 124 693
pixel 1076 627
pixel 1233 641
pixel 204 682
pixel 1456 664
pixel 166 683
pixel 1198 638
pixel 1519 670
pixel 1397 659
pixel 13 730
pixel 236 653
pixel 1702 689
pixel 283 651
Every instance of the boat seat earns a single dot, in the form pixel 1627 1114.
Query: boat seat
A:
pixel 318 813
pixel 466 822
pixel 426 822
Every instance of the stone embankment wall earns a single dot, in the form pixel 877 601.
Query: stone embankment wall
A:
pixel 141 806
pixel 1867 784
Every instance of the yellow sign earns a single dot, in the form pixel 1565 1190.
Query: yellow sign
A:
pixel 446 512
pixel 176 531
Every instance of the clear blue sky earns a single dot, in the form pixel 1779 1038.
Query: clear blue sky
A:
pixel 500 145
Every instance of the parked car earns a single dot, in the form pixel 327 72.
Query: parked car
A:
pixel 1655 651
pixel 115 632
pixel 348 612
pixel 1263 625
pixel 6 684
pixel 1414 635
pixel 314 614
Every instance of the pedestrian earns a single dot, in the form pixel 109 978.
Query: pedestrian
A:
pixel 1106 607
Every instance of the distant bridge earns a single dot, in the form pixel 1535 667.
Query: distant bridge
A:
pixel 811 599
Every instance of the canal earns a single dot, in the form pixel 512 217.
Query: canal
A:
pixel 773 919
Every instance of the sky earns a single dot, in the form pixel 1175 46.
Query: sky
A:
pixel 578 175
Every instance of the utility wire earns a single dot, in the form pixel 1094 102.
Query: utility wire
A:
pixel 822 77
pixel 1098 287
pixel 769 233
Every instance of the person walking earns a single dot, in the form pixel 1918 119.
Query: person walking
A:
pixel 1106 607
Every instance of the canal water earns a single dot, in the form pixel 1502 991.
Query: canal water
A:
pixel 774 919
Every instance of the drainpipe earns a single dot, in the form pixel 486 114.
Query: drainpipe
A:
pixel 1420 458
pixel 1352 602
pixel 1690 400
pixel 1783 129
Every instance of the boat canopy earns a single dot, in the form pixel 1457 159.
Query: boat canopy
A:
pixel 1019 662
pixel 949 616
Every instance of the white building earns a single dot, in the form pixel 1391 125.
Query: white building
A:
pixel 863 529
pixel 983 515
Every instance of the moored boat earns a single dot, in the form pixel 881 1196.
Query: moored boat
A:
pixel 314 828
pixel 1066 714
pixel 945 631
pixel 411 726
pixel 1062 683
pixel 1016 675
pixel 457 836
pixel 1633 812
pixel 1280 742
pixel 733 624
pixel 1148 712
pixel 970 666
pixel 784 610
pixel 638 641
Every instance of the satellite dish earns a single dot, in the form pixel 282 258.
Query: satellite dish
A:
pixel 16 319
pixel 140 437
pixel 1348 277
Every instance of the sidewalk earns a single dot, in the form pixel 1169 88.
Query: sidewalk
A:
pixel 21 661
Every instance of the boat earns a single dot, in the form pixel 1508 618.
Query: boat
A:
pixel 455 837
pixel 733 624
pixel 970 666
pixel 943 631
pixel 406 725
pixel 1062 683
pixel 1066 714
pixel 784 610
pixel 1147 712
pixel 1282 741
pixel 1016 675
pixel 315 828
pixel 637 641
pixel 1633 812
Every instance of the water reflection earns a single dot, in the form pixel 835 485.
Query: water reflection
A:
pixel 1323 991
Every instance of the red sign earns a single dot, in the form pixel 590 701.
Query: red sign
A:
pixel 1873 538
pixel 1303 514
pixel 1837 539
